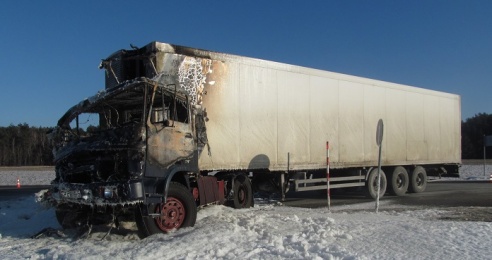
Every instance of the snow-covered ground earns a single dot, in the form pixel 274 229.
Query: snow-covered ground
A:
pixel 10 177
pixel 267 231
pixel 475 172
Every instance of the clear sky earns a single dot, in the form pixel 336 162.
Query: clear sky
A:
pixel 50 50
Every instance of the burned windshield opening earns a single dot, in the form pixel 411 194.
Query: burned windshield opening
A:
pixel 126 107
pixel 86 123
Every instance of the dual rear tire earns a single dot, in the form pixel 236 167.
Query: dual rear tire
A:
pixel 399 181
pixel 242 193
pixel 418 180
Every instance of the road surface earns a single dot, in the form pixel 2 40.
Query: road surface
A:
pixel 445 194
pixel 465 200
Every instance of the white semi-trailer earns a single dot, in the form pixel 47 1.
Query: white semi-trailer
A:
pixel 180 128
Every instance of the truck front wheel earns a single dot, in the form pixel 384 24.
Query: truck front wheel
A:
pixel 372 184
pixel 418 180
pixel 71 216
pixel 66 218
pixel 178 211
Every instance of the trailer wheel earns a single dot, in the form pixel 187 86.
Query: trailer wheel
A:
pixel 418 180
pixel 242 192
pixel 372 184
pixel 399 180
pixel 178 211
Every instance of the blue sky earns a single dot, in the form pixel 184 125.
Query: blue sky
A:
pixel 50 50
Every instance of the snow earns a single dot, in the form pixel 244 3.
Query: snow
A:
pixel 475 172
pixel 267 231
pixel 42 177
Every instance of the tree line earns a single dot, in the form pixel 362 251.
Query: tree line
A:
pixel 22 145
pixel 473 131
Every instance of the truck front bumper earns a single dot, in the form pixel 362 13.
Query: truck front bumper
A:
pixel 104 193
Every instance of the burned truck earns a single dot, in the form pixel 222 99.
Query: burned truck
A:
pixel 178 128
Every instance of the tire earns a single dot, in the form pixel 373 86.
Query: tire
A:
pixel 242 193
pixel 63 218
pixel 372 184
pixel 399 180
pixel 178 211
pixel 69 217
pixel 418 180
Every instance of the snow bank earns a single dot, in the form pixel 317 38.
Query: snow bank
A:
pixel 262 232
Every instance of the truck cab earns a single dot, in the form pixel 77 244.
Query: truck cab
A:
pixel 133 148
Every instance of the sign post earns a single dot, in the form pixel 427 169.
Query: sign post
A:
pixel 328 174
pixel 487 141
pixel 379 141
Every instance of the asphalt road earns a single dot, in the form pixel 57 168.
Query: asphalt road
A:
pixel 437 194
pixel 451 194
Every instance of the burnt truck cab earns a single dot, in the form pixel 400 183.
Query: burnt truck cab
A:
pixel 132 149
pixel 140 130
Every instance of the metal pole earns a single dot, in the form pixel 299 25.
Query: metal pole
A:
pixel 484 159
pixel 379 142
pixel 379 179
pixel 328 173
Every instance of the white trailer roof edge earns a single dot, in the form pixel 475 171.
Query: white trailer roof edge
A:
pixel 170 48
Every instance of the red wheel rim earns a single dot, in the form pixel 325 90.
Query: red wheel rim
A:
pixel 172 214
